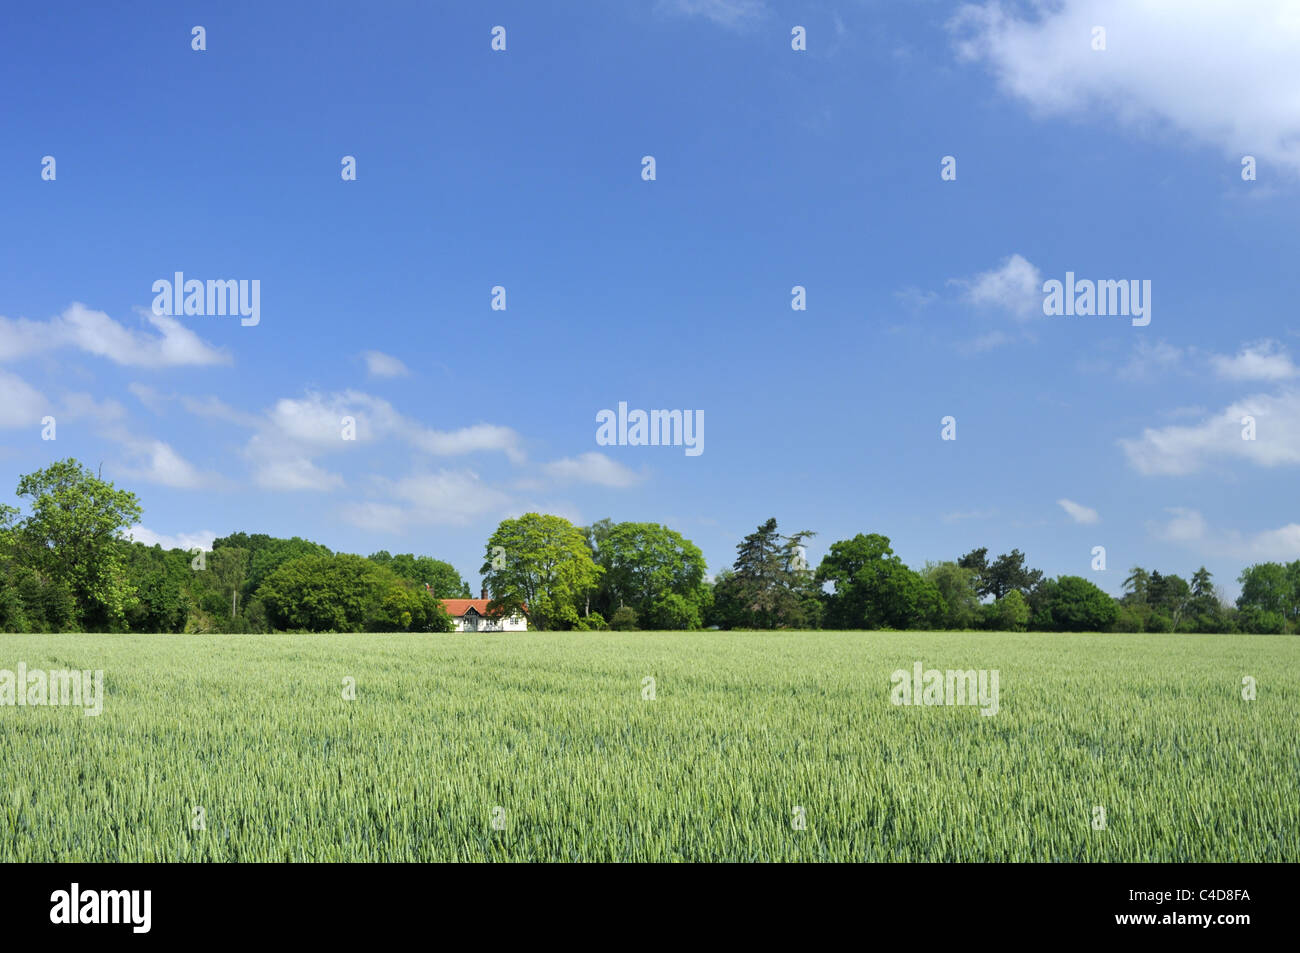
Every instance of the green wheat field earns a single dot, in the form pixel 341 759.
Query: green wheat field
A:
pixel 541 747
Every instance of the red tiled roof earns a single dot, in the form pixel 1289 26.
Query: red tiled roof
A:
pixel 458 607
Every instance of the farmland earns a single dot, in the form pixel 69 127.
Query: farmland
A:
pixel 545 746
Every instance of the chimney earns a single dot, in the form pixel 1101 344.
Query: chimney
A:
pixel 483 594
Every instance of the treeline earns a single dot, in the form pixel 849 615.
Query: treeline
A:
pixel 646 576
pixel 65 566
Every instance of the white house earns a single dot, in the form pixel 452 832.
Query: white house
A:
pixel 471 615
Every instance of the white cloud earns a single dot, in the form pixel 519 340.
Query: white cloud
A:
pixel 377 517
pixel 96 333
pixel 590 467
pixel 288 437
pixel 85 407
pixel 1078 512
pixel 1220 74
pixel 473 439
pixel 316 421
pixel 1149 359
pixel 216 409
pixel 187 541
pixel 1260 361
pixel 147 396
pixel 1015 286
pixel 1183 526
pixel 20 404
pixel 1282 544
pixel 154 461
pixel 380 364
pixel 449 496
pixel 443 498
pixel 210 406
pixel 734 14
pixel 1177 450
pixel 1189 528
pixel 276 469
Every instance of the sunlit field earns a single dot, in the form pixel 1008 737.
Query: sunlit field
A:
pixel 754 746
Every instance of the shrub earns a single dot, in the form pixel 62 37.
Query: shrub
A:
pixel 591 622
pixel 673 611
pixel 624 619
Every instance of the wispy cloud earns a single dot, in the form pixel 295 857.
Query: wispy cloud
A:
pixel 591 467
pixel 155 461
pixel 733 14
pixel 1149 359
pixel 379 364
pixel 1259 361
pixel 21 405
pixel 94 332
pixel 1084 515
pixel 445 497
pixel 1188 528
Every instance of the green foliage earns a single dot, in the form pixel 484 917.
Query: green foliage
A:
pixel 1259 621
pixel 160 578
pixel 72 536
pixel 624 619
pixel 1153 602
pixel 770 586
pixel 345 593
pixel 13 616
pixel 1170 596
pixel 34 604
pixel 545 571
pixel 1270 591
pixel 1011 612
pixel 725 609
pixel 651 568
pixel 1159 621
pixel 267 553
pixel 591 622
pixel 1136 586
pixel 958 586
pixel 441 577
pixel 874 589
pixel 1073 604
pixel 1007 572
pixel 1127 619
pixel 66 567
pixel 674 612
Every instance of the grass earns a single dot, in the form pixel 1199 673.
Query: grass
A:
pixel 552 730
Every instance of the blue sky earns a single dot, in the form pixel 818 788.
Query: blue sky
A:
pixel 775 168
